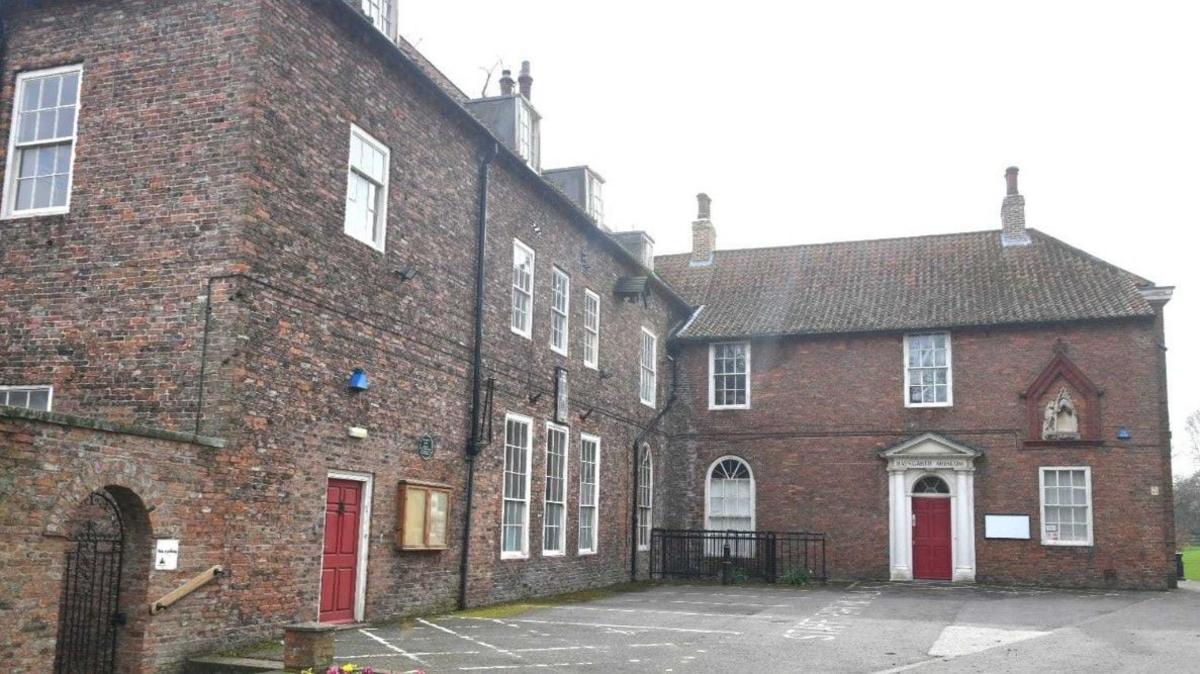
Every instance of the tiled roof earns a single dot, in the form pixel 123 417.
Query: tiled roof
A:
pixel 899 284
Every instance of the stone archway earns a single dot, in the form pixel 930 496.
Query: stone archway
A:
pixel 104 584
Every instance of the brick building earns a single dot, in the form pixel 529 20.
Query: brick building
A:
pixel 277 297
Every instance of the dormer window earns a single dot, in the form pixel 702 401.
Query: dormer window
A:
pixel 527 141
pixel 595 202
pixel 382 14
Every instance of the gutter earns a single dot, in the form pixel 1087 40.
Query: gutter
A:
pixel 473 444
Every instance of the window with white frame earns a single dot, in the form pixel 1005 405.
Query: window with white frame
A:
pixel 560 307
pixel 367 188
pixel 41 150
pixel 730 505
pixel 928 380
pixel 595 198
pixel 1066 505
pixel 518 447
pixel 589 493
pixel 380 12
pixel 522 292
pixel 729 375
pixel 591 329
pixel 527 140
pixel 645 498
pixel 29 397
pixel 554 516
pixel 648 382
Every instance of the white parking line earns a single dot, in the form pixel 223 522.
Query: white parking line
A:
pixel 612 626
pixel 545 665
pixel 419 654
pixel 467 638
pixel 394 648
pixel 743 616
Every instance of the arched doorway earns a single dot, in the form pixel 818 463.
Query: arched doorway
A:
pixel 932 557
pixel 100 579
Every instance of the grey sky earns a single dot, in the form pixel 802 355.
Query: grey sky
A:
pixel 811 122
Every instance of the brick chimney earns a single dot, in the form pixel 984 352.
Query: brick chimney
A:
pixel 525 81
pixel 506 82
pixel 1012 213
pixel 704 235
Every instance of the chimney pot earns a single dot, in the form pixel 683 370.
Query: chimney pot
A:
pixel 704 235
pixel 1012 213
pixel 506 82
pixel 525 81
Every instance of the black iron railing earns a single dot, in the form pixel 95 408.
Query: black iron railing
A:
pixel 773 556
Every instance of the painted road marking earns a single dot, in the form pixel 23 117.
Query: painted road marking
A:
pixel 832 619
pixel 956 640
pixel 741 616
pixel 467 638
pixel 545 665
pixel 394 648
pixel 419 654
pixel 626 627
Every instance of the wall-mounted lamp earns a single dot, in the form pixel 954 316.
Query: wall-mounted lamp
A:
pixel 605 374
pixel 406 273
pixel 1123 433
pixel 358 380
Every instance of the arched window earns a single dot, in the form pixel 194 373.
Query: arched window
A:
pixel 730 495
pixel 930 485
pixel 645 498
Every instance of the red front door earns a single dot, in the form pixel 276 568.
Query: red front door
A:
pixel 339 565
pixel 931 538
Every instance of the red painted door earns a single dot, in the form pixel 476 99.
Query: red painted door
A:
pixel 931 538
pixel 339 565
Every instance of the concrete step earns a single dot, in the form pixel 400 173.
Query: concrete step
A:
pixel 223 665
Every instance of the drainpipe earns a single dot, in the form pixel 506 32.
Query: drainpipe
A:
pixel 637 463
pixel 473 444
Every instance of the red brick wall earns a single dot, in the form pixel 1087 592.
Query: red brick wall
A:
pixel 823 407
pixel 251 182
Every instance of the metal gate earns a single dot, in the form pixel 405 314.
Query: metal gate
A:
pixel 88 616
pixel 790 556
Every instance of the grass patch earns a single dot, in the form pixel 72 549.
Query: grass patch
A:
pixel 516 608
pixel 1191 562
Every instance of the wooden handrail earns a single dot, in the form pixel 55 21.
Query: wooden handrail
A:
pixel 199 581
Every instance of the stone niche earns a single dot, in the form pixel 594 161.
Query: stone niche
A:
pixel 1063 405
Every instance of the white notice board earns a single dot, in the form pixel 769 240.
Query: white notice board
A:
pixel 1006 526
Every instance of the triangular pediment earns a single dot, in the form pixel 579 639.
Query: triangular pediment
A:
pixel 930 445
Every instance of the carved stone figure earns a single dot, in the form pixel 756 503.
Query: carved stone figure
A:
pixel 1060 420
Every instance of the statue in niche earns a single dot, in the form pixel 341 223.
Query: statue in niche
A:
pixel 1060 420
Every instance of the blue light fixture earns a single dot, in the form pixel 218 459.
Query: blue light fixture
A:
pixel 1123 433
pixel 358 380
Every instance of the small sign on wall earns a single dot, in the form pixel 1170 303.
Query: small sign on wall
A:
pixel 1006 526
pixel 166 554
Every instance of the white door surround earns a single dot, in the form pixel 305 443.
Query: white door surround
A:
pixel 909 461
pixel 364 538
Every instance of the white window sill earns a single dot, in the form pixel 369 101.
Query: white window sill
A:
pixel 378 248
pixel 586 553
pixel 643 549
pixel 648 403
pixel 561 352
pixel 920 405
pixel 528 334
pixel 591 366
pixel 35 213
pixel 514 555
pixel 729 407
pixel 1067 544
pixel 554 553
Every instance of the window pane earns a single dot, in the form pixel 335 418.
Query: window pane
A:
pixel 18 398
pixel 39 400
pixel 70 89
pixel 438 504
pixel 50 87
pixel 42 191
pixel 33 91
pixel 414 517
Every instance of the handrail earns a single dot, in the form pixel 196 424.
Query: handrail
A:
pixel 199 581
